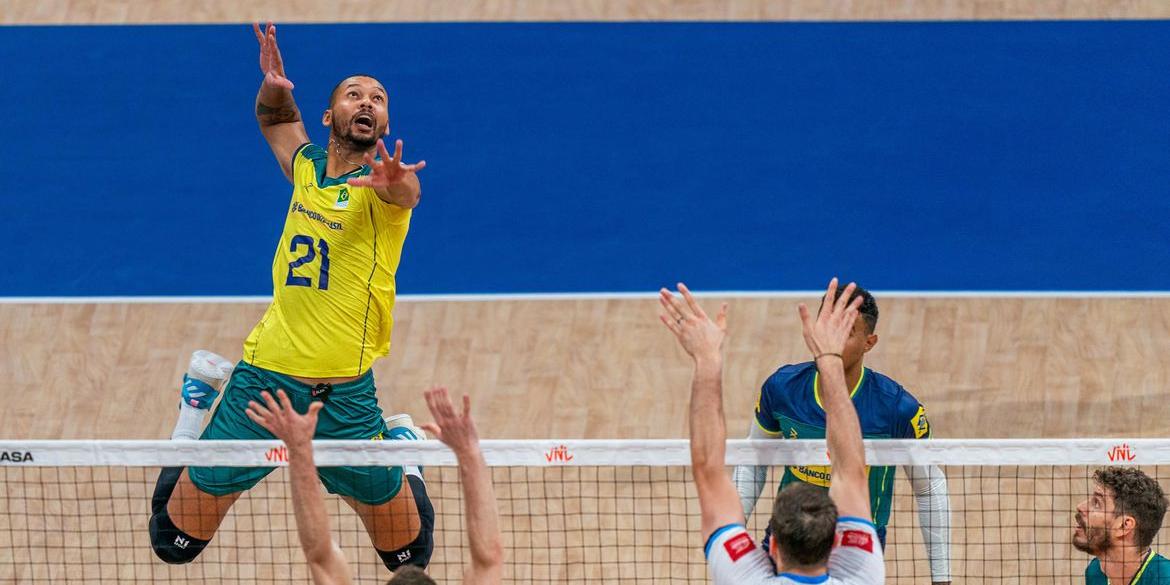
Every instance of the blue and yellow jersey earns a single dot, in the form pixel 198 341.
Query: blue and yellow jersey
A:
pixel 790 405
pixel 332 278
pixel 1154 571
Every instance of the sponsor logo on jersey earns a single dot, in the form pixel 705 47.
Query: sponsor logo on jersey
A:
pixel 821 476
pixel 1122 452
pixel 342 199
pixel 16 457
pixel 739 545
pixel 558 454
pixel 856 539
pixel 297 207
pixel 920 424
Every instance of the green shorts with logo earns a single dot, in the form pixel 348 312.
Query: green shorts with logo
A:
pixel 351 412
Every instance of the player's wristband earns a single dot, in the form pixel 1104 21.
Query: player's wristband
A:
pixel 828 353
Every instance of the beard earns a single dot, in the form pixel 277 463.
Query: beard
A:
pixel 343 132
pixel 1094 541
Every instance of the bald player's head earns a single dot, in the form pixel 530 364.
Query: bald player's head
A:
pixel 359 112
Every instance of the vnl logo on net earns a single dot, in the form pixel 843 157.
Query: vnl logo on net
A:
pixel 1121 452
pixel 558 454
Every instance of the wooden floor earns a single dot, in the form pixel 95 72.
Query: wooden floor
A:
pixel 607 368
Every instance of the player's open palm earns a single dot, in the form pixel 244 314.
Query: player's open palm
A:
pixel 386 170
pixel 280 419
pixel 695 331
pixel 830 329
pixel 271 64
pixel 455 430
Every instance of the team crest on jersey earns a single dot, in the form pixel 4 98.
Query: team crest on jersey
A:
pixel 920 424
pixel 792 433
pixel 342 199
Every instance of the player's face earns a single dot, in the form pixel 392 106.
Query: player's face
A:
pixel 360 112
pixel 1095 522
pixel 860 341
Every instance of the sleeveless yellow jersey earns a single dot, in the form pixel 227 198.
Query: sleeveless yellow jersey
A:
pixel 332 277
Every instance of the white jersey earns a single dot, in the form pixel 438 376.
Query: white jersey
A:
pixel 734 559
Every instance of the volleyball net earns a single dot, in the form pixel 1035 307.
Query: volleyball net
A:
pixel 571 511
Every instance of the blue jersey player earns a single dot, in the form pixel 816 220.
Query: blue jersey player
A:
pixel 790 406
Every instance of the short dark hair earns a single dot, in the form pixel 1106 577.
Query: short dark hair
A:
pixel 868 309
pixel 336 88
pixel 1135 494
pixel 804 524
pixel 410 575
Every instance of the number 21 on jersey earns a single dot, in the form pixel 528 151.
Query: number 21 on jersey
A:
pixel 302 241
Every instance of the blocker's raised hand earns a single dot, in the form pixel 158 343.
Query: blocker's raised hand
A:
pixel 698 335
pixel 829 330
pixel 282 420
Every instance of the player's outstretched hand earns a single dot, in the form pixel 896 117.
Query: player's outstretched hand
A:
pixel 827 332
pixel 696 332
pixel 388 170
pixel 455 430
pixel 282 420
pixel 271 64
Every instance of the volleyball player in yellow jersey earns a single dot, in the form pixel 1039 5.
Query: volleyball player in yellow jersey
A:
pixel 330 319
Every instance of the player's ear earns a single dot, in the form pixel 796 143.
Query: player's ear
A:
pixel 870 341
pixel 327 118
pixel 1126 524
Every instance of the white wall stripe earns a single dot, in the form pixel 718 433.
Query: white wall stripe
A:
pixel 587 296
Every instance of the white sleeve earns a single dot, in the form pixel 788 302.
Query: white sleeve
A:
pixel 857 553
pixel 934 517
pixel 750 479
pixel 734 559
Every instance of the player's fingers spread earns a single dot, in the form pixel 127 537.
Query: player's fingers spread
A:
pixel 285 403
pixel 418 166
pixel 397 150
pixel 670 323
pixel 315 407
pixel 466 406
pixel 691 302
pixel 259 35
pixel 432 429
pixel 845 298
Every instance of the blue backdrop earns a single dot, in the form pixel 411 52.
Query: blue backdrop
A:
pixel 610 157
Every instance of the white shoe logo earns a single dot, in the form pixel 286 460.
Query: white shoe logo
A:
pixel 404 556
pixel 181 542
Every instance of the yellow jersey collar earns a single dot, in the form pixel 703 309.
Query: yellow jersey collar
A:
pixel 852 393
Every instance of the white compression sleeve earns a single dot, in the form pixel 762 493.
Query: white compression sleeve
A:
pixel 934 517
pixel 750 479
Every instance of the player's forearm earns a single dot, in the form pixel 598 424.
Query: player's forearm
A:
pixel 309 504
pixel 275 105
pixel 707 426
pixel 750 479
pixel 843 429
pixel 934 517
pixel 483 522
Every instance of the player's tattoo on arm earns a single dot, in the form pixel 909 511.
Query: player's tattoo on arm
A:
pixel 283 114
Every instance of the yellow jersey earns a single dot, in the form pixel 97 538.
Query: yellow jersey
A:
pixel 332 278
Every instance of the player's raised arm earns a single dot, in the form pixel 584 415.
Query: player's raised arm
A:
pixel 702 338
pixel 326 562
pixel 276 111
pixel 483 522
pixel 825 334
